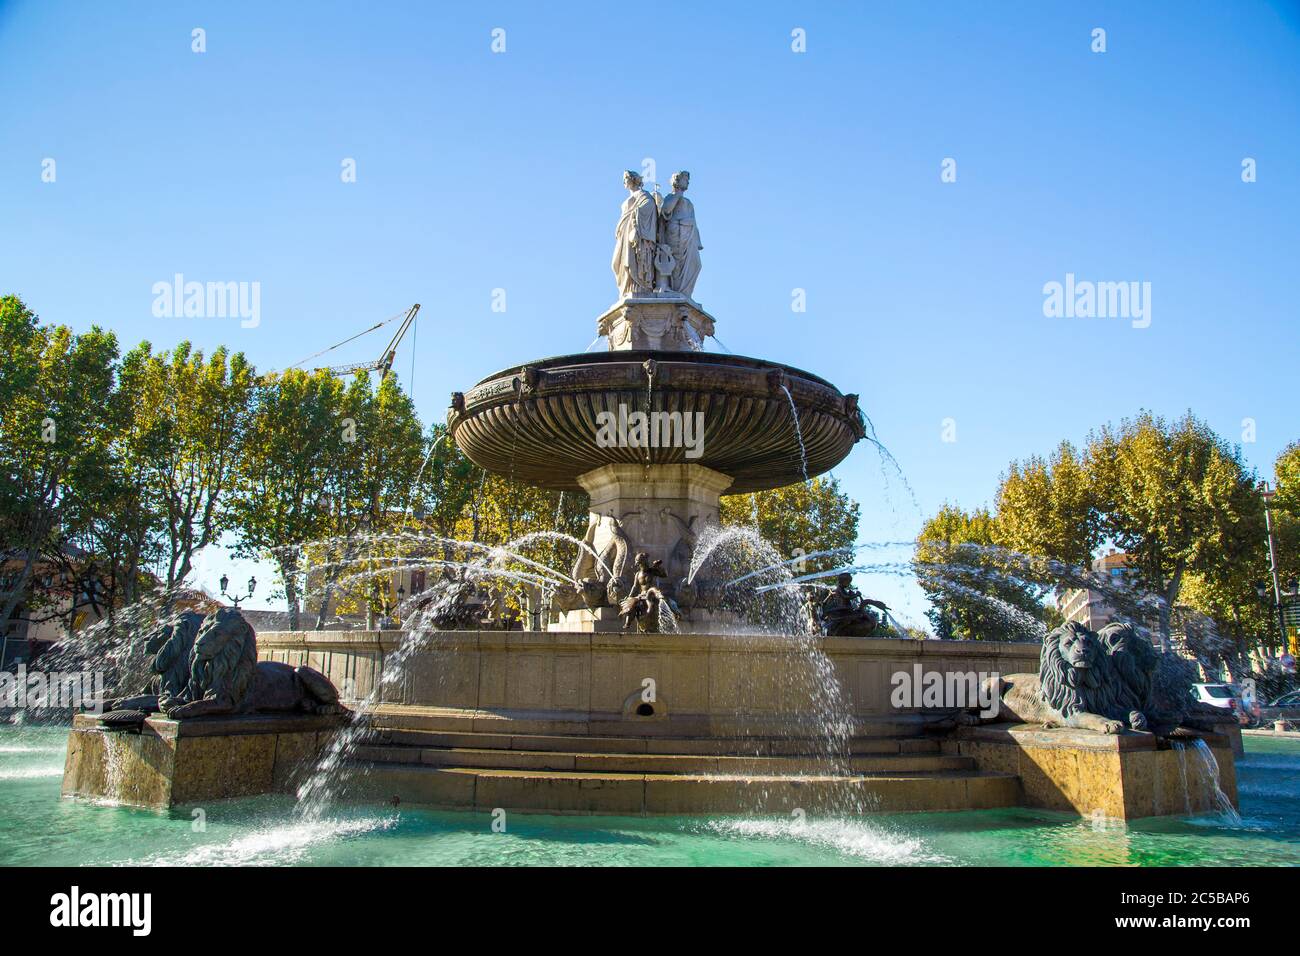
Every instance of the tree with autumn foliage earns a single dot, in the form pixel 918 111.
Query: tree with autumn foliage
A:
pixel 804 518
pixel 1173 495
pixel 976 587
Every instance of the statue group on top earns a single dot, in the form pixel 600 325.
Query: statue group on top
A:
pixel 657 242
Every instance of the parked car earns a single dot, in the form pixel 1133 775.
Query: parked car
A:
pixel 1222 696
pixel 1286 707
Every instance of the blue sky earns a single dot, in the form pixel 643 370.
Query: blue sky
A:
pixel 817 170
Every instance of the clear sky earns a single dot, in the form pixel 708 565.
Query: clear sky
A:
pixel 818 170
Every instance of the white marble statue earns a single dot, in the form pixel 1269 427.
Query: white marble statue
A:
pixel 635 240
pixel 681 235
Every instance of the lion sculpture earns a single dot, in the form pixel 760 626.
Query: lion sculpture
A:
pixel 1106 682
pixel 208 667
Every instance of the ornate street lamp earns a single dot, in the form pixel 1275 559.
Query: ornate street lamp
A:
pixel 252 586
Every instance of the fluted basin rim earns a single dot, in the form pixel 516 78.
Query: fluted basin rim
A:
pixel 537 421
pixel 641 355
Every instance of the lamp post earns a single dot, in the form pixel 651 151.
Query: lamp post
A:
pixel 1283 598
pixel 252 586
pixel 1268 494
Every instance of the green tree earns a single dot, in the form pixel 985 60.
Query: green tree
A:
pixel 115 517
pixel 447 485
pixel 502 510
pixel 288 458
pixel 1048 508
pixel 188 415
pixel 977 591
pixel 369 491
pixel 798 519
pixel 57 391
pixel 1286 510
pixel 1225 590
pixel 1175 497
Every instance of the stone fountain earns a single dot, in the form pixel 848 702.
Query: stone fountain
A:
pixel 654 438
pixel 654 430
pixel 602 712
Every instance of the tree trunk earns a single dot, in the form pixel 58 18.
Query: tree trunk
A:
pixel 15 595
pixel 289 574
pixel 323 610
pixel 331 578
pixel 1166 609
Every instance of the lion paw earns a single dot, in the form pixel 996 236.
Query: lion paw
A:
pixel 1112 727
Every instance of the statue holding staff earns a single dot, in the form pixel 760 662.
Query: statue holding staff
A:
pixel 635 239
pixel 681 235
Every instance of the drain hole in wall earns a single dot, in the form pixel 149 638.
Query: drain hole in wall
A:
pixel 645 710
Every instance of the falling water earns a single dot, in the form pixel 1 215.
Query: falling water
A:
pixel 420 640
pixel 416 484
pixel 798 432
pixel 113 647
pixel 319 790
pixel 752 581
pixel 1181 751
pixel 808 676
pixel 889 463
pixel 1208 773
pixel 649 402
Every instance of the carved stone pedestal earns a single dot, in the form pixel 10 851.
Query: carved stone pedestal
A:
pixel 657 509
pixel 665 321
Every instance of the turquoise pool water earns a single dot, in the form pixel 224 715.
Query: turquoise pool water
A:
pixel 38 828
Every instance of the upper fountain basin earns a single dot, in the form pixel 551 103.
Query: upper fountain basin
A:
pixel 541 422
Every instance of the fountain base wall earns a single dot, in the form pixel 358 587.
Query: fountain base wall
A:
pixel 701 681
pixel 562 723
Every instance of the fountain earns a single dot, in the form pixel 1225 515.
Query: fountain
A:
pixel 647 684
pixel 653 462
pixel 649 687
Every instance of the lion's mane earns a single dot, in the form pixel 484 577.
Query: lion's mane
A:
pixel 223 662
pixel 1069 690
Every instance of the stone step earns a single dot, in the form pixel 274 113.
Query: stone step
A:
pixel 667 763
pixel 700 746
pixel 546 723
pixel 537 791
